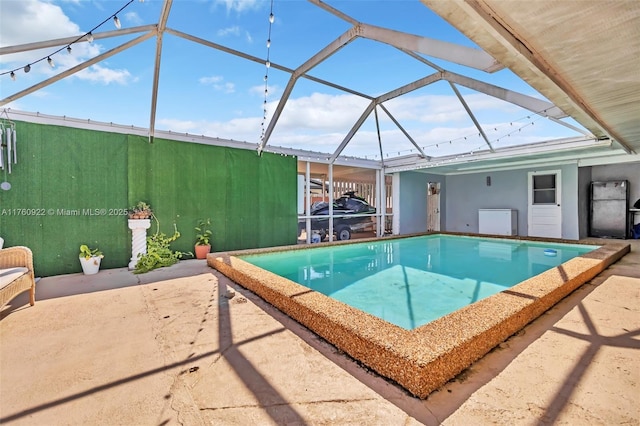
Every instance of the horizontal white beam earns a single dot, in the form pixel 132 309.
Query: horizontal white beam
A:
pixel 545 152
pixel 76 69
pixel 99 126
pixel 451 52
pixel 75 39
pixel 535 105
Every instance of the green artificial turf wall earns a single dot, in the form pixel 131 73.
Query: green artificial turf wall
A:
pixel 72 186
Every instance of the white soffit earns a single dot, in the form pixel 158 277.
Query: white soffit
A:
pixel 581 151
pixel 583 56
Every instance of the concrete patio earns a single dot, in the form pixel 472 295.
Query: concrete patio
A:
pixel 174 346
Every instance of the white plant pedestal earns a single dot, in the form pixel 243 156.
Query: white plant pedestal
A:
pixel 138 239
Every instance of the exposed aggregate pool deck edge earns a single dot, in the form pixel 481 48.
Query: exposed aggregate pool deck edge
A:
pixel 423 359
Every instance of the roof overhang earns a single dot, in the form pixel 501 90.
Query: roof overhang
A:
pixel 579 151
pixel 584 58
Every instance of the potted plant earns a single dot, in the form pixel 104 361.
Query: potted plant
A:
pixel 141 210
pixel 203 245
pixel 139 221
pixel 90 259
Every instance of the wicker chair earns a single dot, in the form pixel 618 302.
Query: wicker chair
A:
pixel 16 274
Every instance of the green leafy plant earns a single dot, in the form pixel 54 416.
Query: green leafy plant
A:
pixel 141 210
pixel 159 252
pixel 203 232
pixel 88 253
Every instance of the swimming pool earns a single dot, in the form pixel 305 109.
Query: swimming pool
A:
pixel 422 359
pixel 412 281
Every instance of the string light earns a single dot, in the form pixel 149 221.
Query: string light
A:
pixel 267 65
pixel 87 36
pixel 539 114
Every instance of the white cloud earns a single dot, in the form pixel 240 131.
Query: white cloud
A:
pixel 240 6
pixel 133 18
pixel 240 129
pixel 36 16
pixel 215 79
pixel 224 32
pixel 99 74
pixel 444 108
pixel 29 21
pixel 218 83
pixel 320 122
pixel 320 111
pixel 324 143
pixel 259 90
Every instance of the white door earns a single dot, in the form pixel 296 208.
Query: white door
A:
pixel 433 207
pixel 545 211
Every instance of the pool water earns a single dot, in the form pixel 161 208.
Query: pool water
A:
pixel 412 281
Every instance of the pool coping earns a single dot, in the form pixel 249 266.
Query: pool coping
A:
pixel 423 359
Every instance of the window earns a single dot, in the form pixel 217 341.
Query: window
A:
pixel 544 189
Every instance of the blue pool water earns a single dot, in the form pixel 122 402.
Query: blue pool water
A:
pixel 412 281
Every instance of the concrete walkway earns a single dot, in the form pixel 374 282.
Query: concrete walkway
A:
pixel 170 347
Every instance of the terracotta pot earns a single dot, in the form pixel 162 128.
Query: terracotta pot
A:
pixel 139 216
pixel 202 251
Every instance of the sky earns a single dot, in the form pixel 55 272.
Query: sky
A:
pixel 205 91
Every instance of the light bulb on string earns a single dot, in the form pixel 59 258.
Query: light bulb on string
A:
pixel 87 37
pixel 266 75
pixel 13 76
